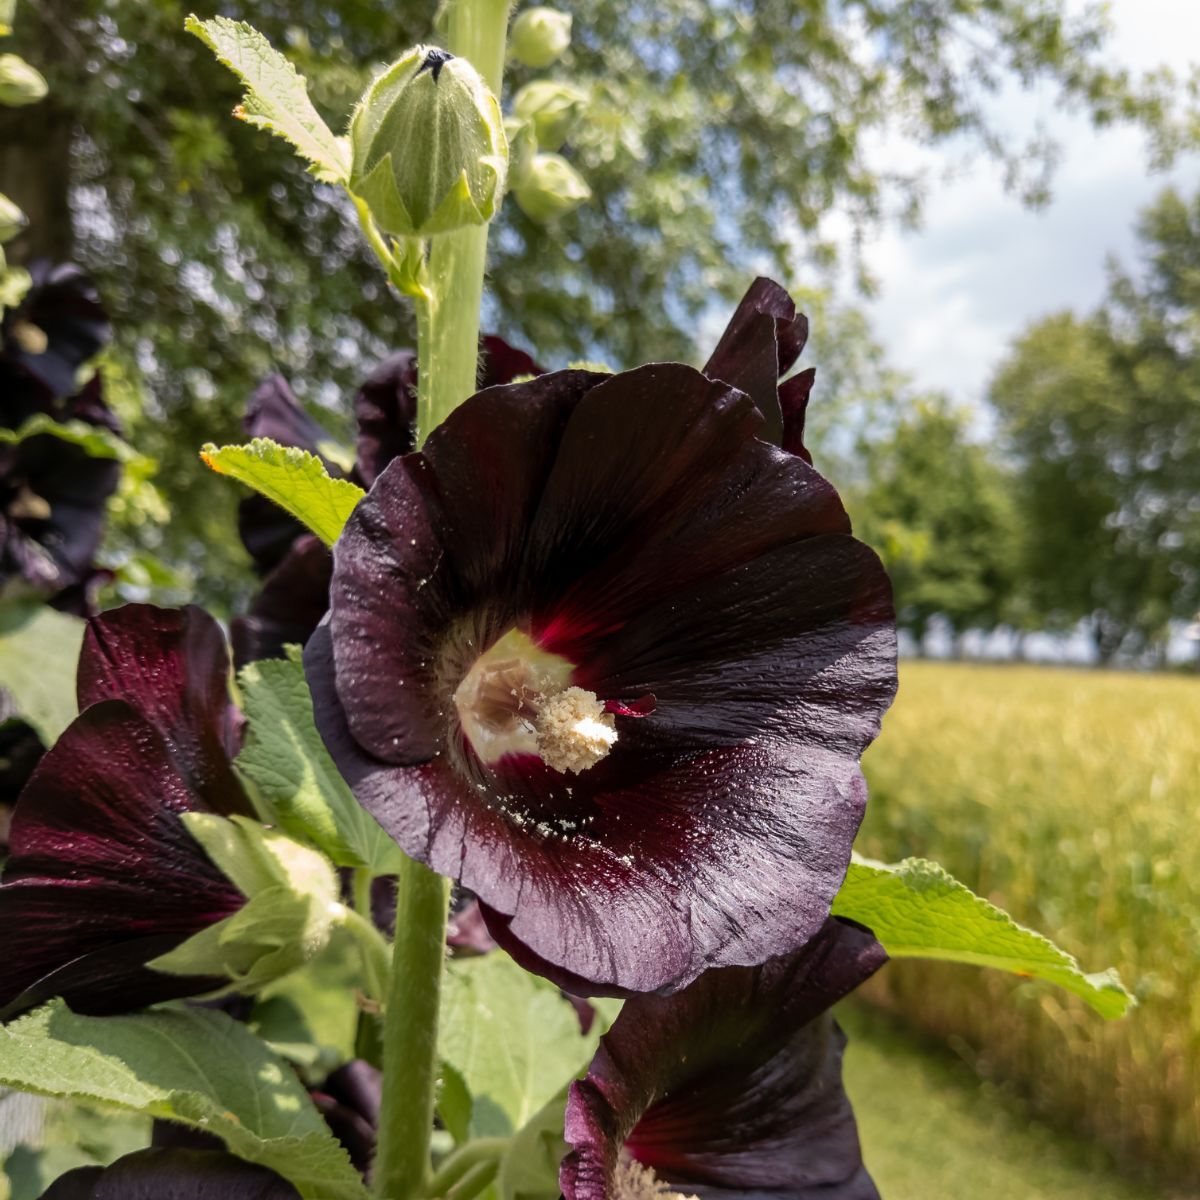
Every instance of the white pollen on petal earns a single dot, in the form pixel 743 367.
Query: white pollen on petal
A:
pixel 634 1181
pixel 573 730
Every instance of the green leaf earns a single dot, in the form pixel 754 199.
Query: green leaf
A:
pixel 294 479
pixel 918 910
pixel 512 1038
pixel 96 440
pixel 529 1168
pixel 286 761
pixel 39 652
pixel 188 1065
pixel 276 97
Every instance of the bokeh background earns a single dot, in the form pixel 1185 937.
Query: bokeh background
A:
pixel 991 209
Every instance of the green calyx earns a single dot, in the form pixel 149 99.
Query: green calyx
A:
pixel 20 83
pixel 429 153
pixel 291 905
pixel 552 108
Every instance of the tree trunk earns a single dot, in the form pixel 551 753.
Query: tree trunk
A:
pixel 35 147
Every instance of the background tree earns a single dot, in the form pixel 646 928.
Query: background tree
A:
pixel 716 141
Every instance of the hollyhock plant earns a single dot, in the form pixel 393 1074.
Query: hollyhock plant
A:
pixel 295 591
pixel 609 659
pixel 105 874
pixel 730 1089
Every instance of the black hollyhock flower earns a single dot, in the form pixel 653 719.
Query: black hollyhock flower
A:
pixel 52 492
pixel 295 592
pixel 610 660
pixel 349 1099
pixel 728 1090
pixel 103 875
pixel 20 751
pixel 161 1174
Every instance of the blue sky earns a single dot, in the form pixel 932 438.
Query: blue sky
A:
pixel 956 292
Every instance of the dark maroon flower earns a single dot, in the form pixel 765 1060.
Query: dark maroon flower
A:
pixel 610 660
pixel 103 876
pixel 728 1090
pixel 295 593
pixel 349 1099
pixel 160 1174
pixel 20 751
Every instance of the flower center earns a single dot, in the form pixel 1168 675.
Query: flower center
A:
pixel 519 699
pixel 635 1181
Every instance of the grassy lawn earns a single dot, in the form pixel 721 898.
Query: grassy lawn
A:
pixel 930 1131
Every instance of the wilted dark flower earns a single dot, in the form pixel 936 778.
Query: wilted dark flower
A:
pixel 52 492
pixel 610 660
pixel 730 1089
pixel 103 875
pixel 295 593
pixel 160 1174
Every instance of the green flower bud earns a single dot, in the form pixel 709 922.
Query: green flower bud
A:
pixel 12 219
pixel 551 108
pixel 428 146
pixel 553 189
pixel 291 905
pixel 19 82
pixel 539 36
pixel 522 146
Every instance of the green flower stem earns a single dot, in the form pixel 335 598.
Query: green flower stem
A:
pixel 449 350
pixel 373 947
pixel 410 1022
pixel 473 1182
pixel 464 1160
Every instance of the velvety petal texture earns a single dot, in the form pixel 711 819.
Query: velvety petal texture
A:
pixel 102 874
pixel 160 1174
pixel 295 592
pixel 702 587
pixel 728 1090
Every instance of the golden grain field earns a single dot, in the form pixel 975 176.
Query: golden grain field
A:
pixel 1072 799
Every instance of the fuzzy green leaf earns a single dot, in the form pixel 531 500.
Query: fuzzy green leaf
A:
pixel 276 97
pixel 512 1038
pixel 39 652
pixel 289 767
pixel 200 1068
pixel 918 910
pixel 294 479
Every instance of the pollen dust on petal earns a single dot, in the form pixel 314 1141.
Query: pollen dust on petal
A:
pixel 573 730
pixel 634 1181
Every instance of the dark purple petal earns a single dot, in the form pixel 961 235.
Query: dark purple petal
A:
pixel 730 1088
pixel 636 526
pixel 349 1100
pixel 172 666
pixel 501 363
pixel 275 413
pixel 161 1174
pixel 63 305
pixel 761 343
pixel 386 410
pixel 467 929
pixel 293 599
pixel 793 400
pixel 103 876
pixel 20 751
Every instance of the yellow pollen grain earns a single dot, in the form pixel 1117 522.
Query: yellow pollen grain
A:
pixel 573 730
pixel 634 1181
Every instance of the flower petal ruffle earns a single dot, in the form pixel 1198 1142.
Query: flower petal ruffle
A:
pixel 161 1174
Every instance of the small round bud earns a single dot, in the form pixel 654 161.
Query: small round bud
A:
pixel 539 36
pixel 12 219
pixel 428 146
pixel 522 146
pixel 553 189
pixel 551 108
pixel 19 82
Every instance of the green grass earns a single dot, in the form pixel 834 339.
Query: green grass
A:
pixel 1072 799
pixel 931 1132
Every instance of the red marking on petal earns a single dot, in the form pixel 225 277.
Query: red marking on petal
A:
pixel 642 707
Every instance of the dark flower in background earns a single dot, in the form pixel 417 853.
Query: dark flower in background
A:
pixel 103 875
pixel 52 492
pixel 610 660
pixel 297 566
pixel 161 1174
pixel 20 751
pixel 728 1090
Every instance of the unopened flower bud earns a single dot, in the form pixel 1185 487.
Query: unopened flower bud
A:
pixel 552 109
pixel 291 905
pixel 522 147
pixel 552 189
pixel 428 146
pixel 12 219
pixel 19 82
pixel 539 36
